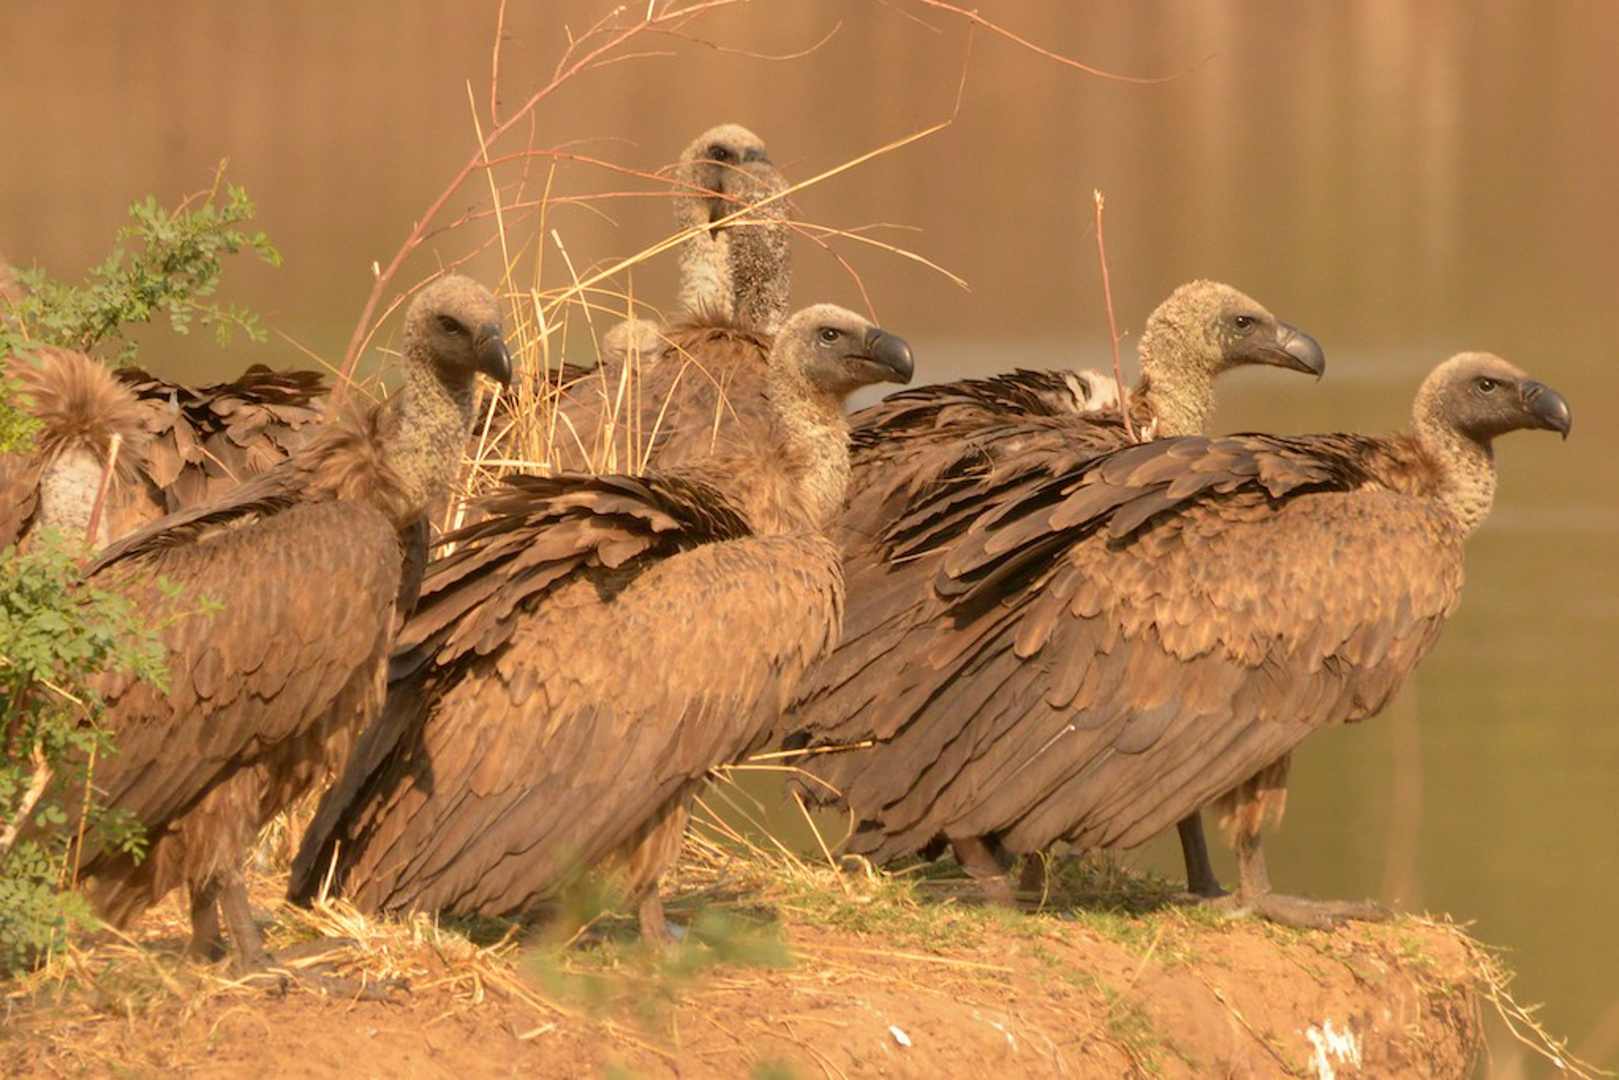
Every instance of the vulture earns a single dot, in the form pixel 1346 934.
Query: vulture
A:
pixel 80 407
pixel 276 623
pixel 1121 641
pixel 509 759
pixel 670 394
pixel 964 436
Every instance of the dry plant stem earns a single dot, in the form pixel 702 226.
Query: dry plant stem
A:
pixel 572 63
pixel 101 490
pixel 1112 325
pixel 36 788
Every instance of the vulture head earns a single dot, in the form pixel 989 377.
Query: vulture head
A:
pixel 454 323
pixel 80 406
pixel 723 170
pixel 1206 328
pixel 832 352
pixel 1480 396
pixel 737 272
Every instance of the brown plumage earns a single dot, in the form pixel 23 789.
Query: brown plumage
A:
pixel 508 758
pixel 307 564
pixel 1121 642
pixel 665 395
pixel 81 407
pixel 982 434
pixel 205 440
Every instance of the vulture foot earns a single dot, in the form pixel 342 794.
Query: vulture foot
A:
pixel 981 861
pixel 1302 912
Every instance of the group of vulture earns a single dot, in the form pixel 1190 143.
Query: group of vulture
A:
pixel 992 616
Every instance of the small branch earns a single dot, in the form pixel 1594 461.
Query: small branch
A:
pixel 101 491
pixel 36 788
pixel 1112 325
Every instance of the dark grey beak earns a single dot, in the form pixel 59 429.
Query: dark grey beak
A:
pixel 755 154
pixel 1546 406
pixel 1296 351
pixel 891 352
pixel 493 358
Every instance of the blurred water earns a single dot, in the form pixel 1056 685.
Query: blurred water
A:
pixel 1403 181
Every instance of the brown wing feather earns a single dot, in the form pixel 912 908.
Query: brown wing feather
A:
pixel 1126 643
pixel 520 774
pixel 305 600
pixel 207 439
pixel 538 535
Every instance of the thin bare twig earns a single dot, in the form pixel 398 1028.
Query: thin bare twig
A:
pixel 1112 324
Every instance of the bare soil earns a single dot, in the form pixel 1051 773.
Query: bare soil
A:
pixel 825 979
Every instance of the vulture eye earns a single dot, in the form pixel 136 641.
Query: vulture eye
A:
pixel 1485 384
pixel 1244 322
pixel 720 153
pixel 449 325
pixel 828 335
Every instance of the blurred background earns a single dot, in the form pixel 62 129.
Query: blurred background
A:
pixel 1404 181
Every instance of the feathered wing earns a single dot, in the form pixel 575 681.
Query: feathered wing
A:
pixel 208 439
pixel 1116 648
pixel 569 641
pixel 951 447
pixel 19 496
pixel 301 613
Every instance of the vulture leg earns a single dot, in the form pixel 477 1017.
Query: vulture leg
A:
pixel 1254 895
pixel 1032 878
pixel 1200 879
pixel 654 927
pixel 246 940
pixel 206 941
pixel 978 858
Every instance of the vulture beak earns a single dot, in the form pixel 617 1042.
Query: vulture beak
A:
pixel 493 358
pixel 1545 407
pixel 756 154
pixel 890 352
pixel 1296 351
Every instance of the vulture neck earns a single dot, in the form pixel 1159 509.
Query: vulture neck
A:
pixel 1176 392
pixel 737 276
pixel 67 495
pixel 814 444
pixel 1465 468
pixel 435 415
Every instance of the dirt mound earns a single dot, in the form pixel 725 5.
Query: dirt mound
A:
pixel 830 979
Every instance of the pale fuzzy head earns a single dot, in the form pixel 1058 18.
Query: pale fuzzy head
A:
pixel 1480 396
pixel 737 273
pixel 454 324
pixel 830 352
pixel 80 405
pixel 1214 328
pixel 81 408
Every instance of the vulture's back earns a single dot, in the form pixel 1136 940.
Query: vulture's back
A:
pixel 608 703
pixel 1118 647
pixel 268 621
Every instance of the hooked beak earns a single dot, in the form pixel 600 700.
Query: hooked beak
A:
pixel 890 352
pixel 1294 350
pixel 1546 406
pixel 493 358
